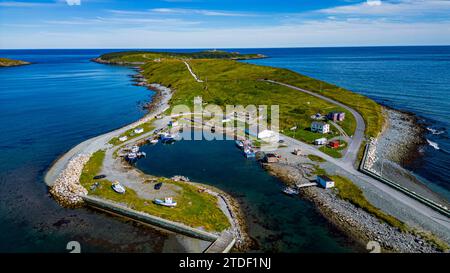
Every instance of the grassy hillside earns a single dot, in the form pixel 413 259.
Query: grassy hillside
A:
pixel 226 82
pixel 145 56
pixel 9 62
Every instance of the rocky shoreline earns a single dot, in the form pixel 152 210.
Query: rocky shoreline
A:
pixel 360 226
pixel 401 137
pixel 397 147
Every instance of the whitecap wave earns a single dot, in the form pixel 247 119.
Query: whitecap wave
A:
pixel 433 144
pixel 435 131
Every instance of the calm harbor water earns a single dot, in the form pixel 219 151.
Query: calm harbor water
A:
pixel 278 223
pixel 63 99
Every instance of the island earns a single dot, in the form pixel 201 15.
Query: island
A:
pixel 4 62
pixel 327 154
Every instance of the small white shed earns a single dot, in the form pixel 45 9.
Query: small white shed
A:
pixel 320 141
pixel 138 130
pixel 123 138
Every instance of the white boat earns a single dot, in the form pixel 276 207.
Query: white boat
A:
pixel 168 202
pixel 154 141
pixel 132 156
pixel 290 191
pixel 239 144
pixel 117 187
pixel 135 149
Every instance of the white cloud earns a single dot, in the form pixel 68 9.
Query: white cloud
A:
pixel 17 4
pixel 374 2
pixel 311 33
pixel 197 11
pixel 73 2
pixel 400 8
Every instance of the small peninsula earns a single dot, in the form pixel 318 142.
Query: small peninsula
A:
pixel 87 173
pixel 4 62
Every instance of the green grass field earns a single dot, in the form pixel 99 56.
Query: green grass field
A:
pixel 194 208
pixel 316 158
pixel 227 82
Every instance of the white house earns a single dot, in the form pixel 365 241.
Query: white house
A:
pixel 320 127
pixel 124 138
pixel 138 130
pixel 320 141
pixel 325 181
pixel 173 123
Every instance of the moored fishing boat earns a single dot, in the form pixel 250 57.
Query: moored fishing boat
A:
pixel 239 144
pixel 135 149
pixel 248 153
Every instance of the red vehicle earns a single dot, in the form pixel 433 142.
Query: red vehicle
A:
pixel 334 144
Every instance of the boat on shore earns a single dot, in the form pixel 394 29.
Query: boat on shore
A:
pixel 167 202
pixel 117 187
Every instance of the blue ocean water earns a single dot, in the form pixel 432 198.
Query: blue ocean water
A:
pixel 45 109
pixel 63 99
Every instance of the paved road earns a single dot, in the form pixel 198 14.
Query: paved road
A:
pixel 353 147
pixel 415 211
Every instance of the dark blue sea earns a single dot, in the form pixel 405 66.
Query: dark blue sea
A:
pixel 63 99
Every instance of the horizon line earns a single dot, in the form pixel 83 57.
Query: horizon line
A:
pixel 290 47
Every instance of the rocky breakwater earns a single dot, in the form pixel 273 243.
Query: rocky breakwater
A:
pixel 360 226
pixel 67 189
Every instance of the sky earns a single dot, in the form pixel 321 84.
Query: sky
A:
pixel 222 24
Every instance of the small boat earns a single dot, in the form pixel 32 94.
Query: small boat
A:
pixel 248 153
pixel 141 154
pixel 158 186
pixel 117 187
pixel 100 176
pixel 239 144
pixel 132 157
pixel 154 141
pixel 290 191
pixel 135 149
pixel 167 138
pixel 168 202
